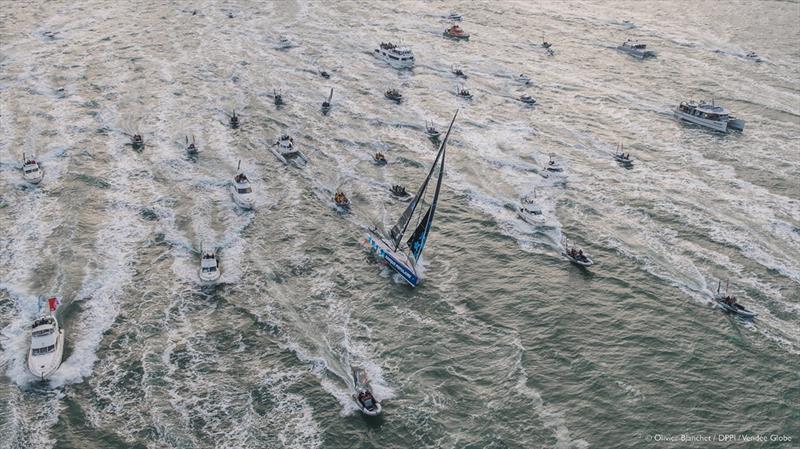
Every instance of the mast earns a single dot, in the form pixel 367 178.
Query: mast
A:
pixel 402 224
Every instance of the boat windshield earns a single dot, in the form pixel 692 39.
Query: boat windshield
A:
pixel 43 332
pixel 244 190
pixel 31 169
pixel 210 269
pixel 44 350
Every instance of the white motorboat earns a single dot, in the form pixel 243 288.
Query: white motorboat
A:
pixel 576 256
pixel 553 166
pixel 209 266
pixel 31 171
pixel 284 43
pixel 464 93
pixel 363 397
pixel 47 343
pixel 753 56
pixel 394 95
pixel 285 150
pixel 399 57
pixel 457 71
pixel 624 159
pixel 527 99
pixel 453 15
pixel 529 211
pixel 523 78
pixel 708 115
pixel 431 131
pixel 636 49
pixel 241 190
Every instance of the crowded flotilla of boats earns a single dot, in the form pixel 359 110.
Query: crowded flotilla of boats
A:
pixel 708 115
pixel 400 248
pixel 400 57
pixel 636 49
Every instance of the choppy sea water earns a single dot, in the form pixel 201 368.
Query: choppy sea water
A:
pixel 505 345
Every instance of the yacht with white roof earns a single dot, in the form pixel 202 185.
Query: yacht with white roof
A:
pixel 636 49
pixel 708 115
pixel 399 57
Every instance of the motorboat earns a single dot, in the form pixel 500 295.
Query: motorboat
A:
pixel 47 343
pixel 455 32
pixel 404 255
pixel 527 99
pixel 137 142
pixel 553 166
pixel 278 97
pixel 341 201
pixel 431 131
pixel 191 148
pixel 636 49
pixel 458 72
pixel 324 73
pixel 453 15
pixel 379 159
pixel 523 78
pixel 241 190
pixel 729 304
pixel 464 93
pixel 753 56
pixel 234 120
pixel 363 397
pixel 399 57
pixel 31 171
pixel 326 105
pixel 209 266
pixel 285 150
pixel 546 44
pixel 708 115
pixel 529 211
pixel 576 256
pixel 394 95
pixel 624 159
pixel 400 192
pixel 284 43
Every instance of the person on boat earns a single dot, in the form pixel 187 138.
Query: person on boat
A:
pixel 380 157
pixel 366 398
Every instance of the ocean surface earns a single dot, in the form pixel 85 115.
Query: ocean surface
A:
pixel 505 344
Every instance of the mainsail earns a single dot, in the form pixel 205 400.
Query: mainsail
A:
pixel 417 240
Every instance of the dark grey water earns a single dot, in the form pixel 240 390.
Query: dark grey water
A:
pixel 505 345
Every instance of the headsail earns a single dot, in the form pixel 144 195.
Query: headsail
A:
pixel 400 228
pixel 420 235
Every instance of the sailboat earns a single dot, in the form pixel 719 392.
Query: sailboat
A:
pixel 404 256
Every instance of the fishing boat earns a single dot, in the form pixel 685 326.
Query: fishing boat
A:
pixel 464 93
pixel 455 32
pixel 455 70
pixel 399 57
pixel 31 171
pixel 431 131
pixel 363 397
pixel 576 256
pixel 326 105
pixel 209 271
pixel 708 115
pixel 394 95
pixel 729 304
pixel 529 211
pixel 636 49
pixel 285 150
pixel 624 159
pixel 403 257
pixel 47 343
pixel 241 190
pixel 527 99
pixel 379 159
pixel 400 192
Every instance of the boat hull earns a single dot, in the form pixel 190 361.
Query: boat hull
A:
pixel 398 261
pixel 742 312
pixel 241 200
pixel 396 63
pixel 42 366
pixel 587 263
pixel 711 124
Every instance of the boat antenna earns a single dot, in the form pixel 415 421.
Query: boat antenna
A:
pixel 238 167
pixel 719 284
